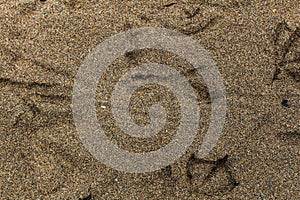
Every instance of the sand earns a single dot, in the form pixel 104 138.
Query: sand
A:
pixel 256 45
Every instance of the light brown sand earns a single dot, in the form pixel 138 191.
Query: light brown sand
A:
pixel 42 45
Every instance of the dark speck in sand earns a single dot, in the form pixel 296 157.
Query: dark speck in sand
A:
pixel 285 103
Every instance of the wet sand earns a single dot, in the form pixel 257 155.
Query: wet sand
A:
pixel 256 46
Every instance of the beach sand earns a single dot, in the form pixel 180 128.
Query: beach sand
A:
pixel 256 45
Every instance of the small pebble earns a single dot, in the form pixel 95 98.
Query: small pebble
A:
pixel 285 103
